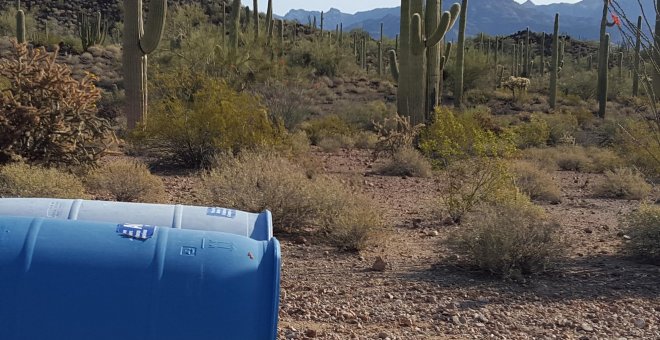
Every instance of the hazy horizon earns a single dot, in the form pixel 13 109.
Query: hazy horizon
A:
pixel 281 7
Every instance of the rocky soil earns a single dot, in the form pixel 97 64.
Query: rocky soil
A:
pixel 424 292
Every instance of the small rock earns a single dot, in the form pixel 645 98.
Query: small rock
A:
pixel 383 335
pixel 639 323
pixel 311 333
pixel 588 230
pixel 458 320
pixel 405 321
pixel 379 265
pixel 586 327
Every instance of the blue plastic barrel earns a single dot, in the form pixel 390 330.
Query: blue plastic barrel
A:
pixel 256 226
pixel 75 280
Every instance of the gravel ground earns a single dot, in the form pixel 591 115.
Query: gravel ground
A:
pixel 595 292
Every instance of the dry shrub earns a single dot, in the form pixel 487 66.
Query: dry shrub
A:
pixel 536 182
pixel 336 143
pixel 126 181
pixel 622 183
pixel 255 182
pixel 510 239
pixel 395 133
pixel 22 180
pixel 366 140
pixel 406 162
pixel 644 231
pixel 603 160
pixel 572 159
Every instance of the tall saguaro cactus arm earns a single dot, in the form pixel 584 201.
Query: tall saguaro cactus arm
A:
pixel 460 55
pixel 140 39
pixel 394 65
pixel 638 47
pixel 154 27
pixel 554 65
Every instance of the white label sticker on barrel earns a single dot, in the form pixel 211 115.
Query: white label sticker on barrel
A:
pixel 138 231
pixel 221 212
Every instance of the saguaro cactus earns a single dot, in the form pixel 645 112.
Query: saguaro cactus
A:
pixel 554 64
pixel 20 24
pixel 414 72
pixel 460 55
pixel 602 63
pixel 528 50
pixel 604 55
pixel 542 65
pixel 269 20
pixel 140 39
pixel 380 52
pixel 91 32
pixel 235 33
pixel 255 10
pixel 638 47
pixel 656 53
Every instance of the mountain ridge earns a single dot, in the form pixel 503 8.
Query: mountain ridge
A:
pixel 495 17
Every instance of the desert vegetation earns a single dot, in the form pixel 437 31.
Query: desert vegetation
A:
pixel 475 173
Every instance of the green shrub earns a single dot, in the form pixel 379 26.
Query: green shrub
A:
pixel 644 231
pixel 534 133
pixel 572 159
pixel 363 117
pixel 535 182
pixel 197 117
pixel 562 127
pixel 511 239
pixel 366 140
pixel 296 200
pixel 325 126
pixel 473 182
pixel 336 143
pixel 323 61
pixel 638 143
pixel 22 180
pixel 459 136
pixel 406 162
pixel 622 183
pixel 126 181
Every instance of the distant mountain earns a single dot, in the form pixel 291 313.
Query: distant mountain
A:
pixel 495 17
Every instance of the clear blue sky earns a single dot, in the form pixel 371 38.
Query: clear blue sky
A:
pixel 346 6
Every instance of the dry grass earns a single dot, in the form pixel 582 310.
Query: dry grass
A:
pixel 622 183
pixel 126 181
pixel 406 162
pixel 255 182
pixel 509 240
pixel 536 182
pixel 575 158
pixel 22 180
pixel 644 231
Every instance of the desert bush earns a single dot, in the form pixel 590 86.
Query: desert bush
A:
pixel 363 117
pixel 534 133
pixel 336 143
pixel 572 159
pixel 126 181
pixel 48 116
pixel 254 182
pixel 535 182
pixel 562 127
pixel 473 182
pixel 325 126
pixel 366 140
pixel 197 117
pixel 637 142
pixel 622 183
pixel 406 162
pixel 286 103
pixel 476 73
pixel 22 180
pixel 324 61
pixel 581 84
pixel 644 230
pixel 454 137
pixel 511 239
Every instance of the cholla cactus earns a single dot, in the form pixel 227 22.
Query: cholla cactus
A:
pixel 516 83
